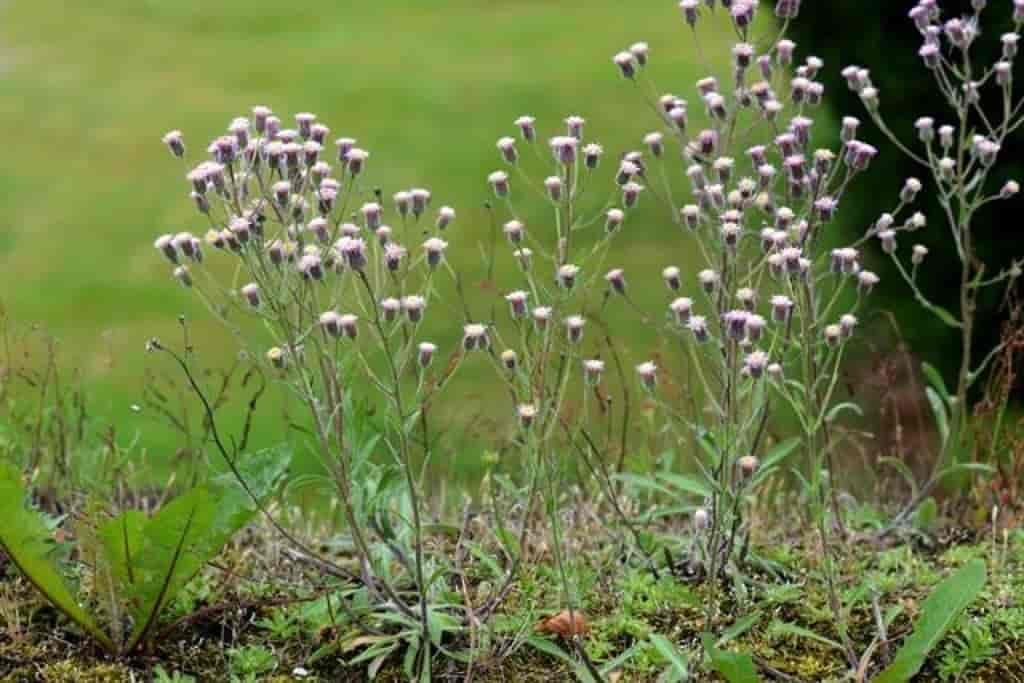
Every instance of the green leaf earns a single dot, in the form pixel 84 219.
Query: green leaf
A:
pixel 734 667
pixel 677 661
pixel 28 542
pixel 774 457
pixel 549 648
pixel 784 628
pixel 935 380
pixel 939 412
pixel 685 483
pixel 739 628
pixel 926 514
pixel 844 407
pixel 938 613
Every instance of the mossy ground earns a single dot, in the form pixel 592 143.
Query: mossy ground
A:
pixel 251 618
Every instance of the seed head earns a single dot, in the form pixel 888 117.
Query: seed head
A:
pixel 541 316
pixel 165 245
pixel 553 185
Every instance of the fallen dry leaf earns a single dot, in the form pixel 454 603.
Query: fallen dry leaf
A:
pixel 562 624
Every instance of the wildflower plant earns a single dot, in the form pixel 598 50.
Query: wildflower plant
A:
pixel 329 288
pixel 957 155
pixel 763 326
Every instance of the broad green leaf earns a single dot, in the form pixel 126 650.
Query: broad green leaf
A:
pixel 122 541
pixel 174 546
pixel 938 613
pixel 734 667
pixel 28 542
pixel 678 663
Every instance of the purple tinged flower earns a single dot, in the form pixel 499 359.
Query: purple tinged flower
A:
pixel 825 208
pixel 515 231
pixel 352 251
pixel 888 240
pixel 782 308
pixel 393 255
pixel 434 247
pixel 499 183
pixel 592 370
pixel 330 323
pixel 175 142
pixel 445 216
pixel 304 122
pixel 648 374
pixel 592 155
pixel 426 353
pixel 567 275
pixel 747 298
pixel 474 336
pixel 356 160
pixel 251 292
pixel 627 64
pixel 527 414
pixel 1010 189
pixel 613 220
pixel 541 316
pixel 946 134
pixel 553 185
pixel 735 322
pixel 742 12
pixel 563 147
pixel 947 169
pixel 311 152
pixel 383 234
pixel 390 308
pixel 259 118
pixel 731 233
pixel 699 327
pixel 689 8
pixel 574 126
pixel 784 50
pixel 371 214
pixel 631 194
pixel 641 52
pixel 918 254
pixel 696 175
pixel 311 267
pixel 420 200
pixel 655 143
pixel 787 9
pixel 987 151
pixel 574 328
pixel 413 306
pixel 866 280
pixel 723 169
pixel 165 245
pixel 754 365
pixel 930 55
pixel 344 147
pixel 1018 11
pixel 527 128
pixel 678 117
pixel 1004 72
pixel 517 303
pixel 682 309
pixel 1009 41
pixel 349 325
pixel 925 129
pixel 318 133
pixel 617 280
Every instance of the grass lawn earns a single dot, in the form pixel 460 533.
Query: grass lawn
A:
pixel 90 87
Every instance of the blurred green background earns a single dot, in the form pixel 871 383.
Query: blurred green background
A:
pixel 427 87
